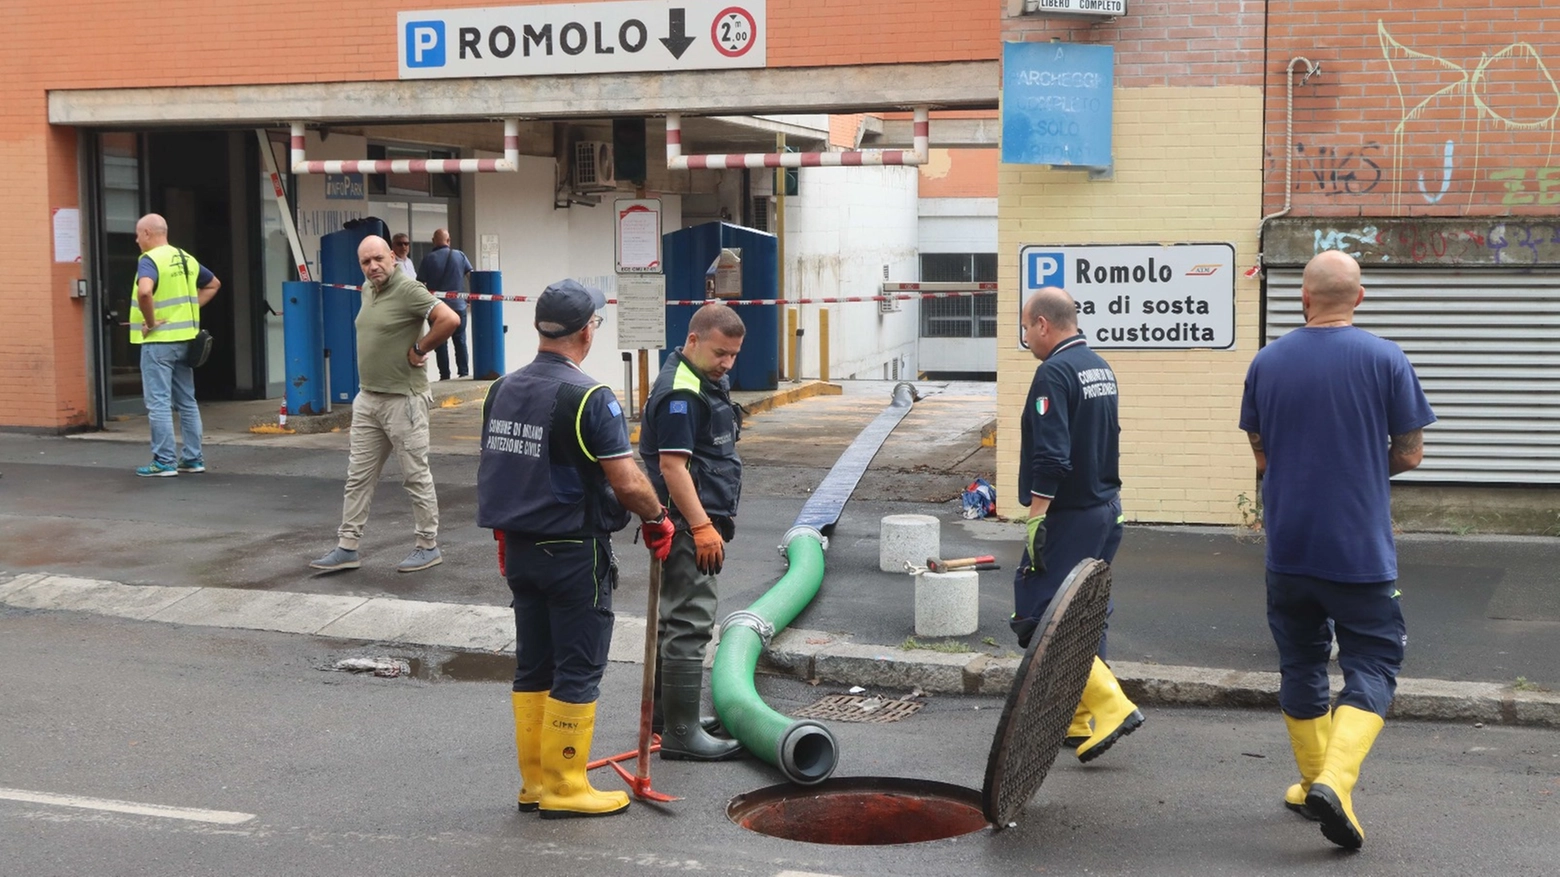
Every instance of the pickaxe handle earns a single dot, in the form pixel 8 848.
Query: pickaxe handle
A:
pixel 936 565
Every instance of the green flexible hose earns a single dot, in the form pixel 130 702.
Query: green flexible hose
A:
pixel 802 749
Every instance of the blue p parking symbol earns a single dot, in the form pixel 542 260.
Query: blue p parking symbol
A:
pixel 1043 269
pixel 425 44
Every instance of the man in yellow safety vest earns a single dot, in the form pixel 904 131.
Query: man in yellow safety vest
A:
pixel 170 289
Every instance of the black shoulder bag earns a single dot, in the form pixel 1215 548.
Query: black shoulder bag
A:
pixel 198 349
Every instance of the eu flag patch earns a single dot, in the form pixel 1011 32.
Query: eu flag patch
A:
pixel 615 408
pixel 678 406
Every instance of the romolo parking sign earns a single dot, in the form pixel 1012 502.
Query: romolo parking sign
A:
pixel 1142 296
pixel 574 38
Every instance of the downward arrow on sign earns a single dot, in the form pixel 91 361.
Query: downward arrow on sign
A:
pixel 676 41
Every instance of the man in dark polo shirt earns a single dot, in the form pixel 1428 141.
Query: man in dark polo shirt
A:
pixel 1069 475
pixel 445 269
pixel 556 478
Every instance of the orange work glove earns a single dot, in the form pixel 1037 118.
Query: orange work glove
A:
pixel 709 550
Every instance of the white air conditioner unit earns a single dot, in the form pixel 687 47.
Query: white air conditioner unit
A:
pixel 594 168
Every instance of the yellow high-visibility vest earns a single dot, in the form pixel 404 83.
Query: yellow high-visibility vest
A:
pixel 176 298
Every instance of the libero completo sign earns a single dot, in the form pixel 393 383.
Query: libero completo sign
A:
pixel 1143 296
pixel 1101 8
pixel 575 38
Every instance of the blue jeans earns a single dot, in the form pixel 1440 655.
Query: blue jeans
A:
pixel 1371 642
pixel 442 354
pixel 167 382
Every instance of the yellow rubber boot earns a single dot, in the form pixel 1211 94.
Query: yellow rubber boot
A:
pixel 1081 728
pixel 567 729
pixel 1308 738
pixel 1330 798
pixel 529 707
pixel 1114 716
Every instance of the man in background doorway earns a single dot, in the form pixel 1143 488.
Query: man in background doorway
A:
pixel 170 289
pixel 401 246
pixel 444 269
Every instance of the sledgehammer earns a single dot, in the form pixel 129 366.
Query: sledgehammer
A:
pixel 936 565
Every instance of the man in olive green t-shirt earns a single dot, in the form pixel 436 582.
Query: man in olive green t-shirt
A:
pixel 390 412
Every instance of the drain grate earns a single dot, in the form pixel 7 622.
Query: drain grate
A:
pixel 854 708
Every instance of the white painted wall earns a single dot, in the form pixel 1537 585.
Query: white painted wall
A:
pixel 958 225
pixel 842 229
pixel 539 245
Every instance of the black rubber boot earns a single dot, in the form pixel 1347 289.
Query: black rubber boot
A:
pixel 684 739
pixel 658 717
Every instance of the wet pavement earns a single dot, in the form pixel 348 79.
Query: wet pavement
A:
pixel 1480 609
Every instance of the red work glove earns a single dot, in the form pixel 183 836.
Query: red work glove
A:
pixel 498 536
pixel 709 550
pixel 658 534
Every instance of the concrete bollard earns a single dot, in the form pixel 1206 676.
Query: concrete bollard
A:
pixel 911 538
pixel 947 603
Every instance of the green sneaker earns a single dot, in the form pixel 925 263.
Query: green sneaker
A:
pixel 157 470
pixel 192 467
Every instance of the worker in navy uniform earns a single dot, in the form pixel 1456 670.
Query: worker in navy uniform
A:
pixel 556 478
pixel 689 444
pixel 1069 476
pixel 1333 412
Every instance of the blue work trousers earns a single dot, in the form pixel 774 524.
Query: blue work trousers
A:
pixel 1371 640
pixel 563 613
pixel 1071 536
pixel 441 354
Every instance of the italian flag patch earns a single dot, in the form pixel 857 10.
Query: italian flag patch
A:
pixel 1042 405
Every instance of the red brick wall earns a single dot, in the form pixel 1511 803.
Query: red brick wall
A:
pixel 1166 42
pixel 1373 138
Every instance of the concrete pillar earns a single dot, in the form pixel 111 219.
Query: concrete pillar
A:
pixel 947 603
pixel 907 538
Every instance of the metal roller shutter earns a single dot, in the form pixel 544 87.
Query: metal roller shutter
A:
pixel 1486 345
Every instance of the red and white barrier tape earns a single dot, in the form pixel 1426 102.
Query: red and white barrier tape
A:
pixel 474 296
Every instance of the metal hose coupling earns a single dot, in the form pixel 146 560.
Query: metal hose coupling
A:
pixel 798 532
pixel 752 621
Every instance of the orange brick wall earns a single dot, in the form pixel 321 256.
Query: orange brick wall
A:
pixel 116 43
pixel 960 173
pixel 1371 136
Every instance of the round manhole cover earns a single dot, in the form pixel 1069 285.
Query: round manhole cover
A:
pixel 1045 692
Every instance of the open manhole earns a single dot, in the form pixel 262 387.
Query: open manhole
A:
pixel 1040 706
pixel 862 811
pixel 855 708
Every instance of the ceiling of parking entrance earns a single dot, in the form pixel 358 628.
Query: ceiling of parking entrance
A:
pixel 962 85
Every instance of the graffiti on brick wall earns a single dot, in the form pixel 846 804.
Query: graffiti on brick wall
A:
pixel 1406 241
pixel 1524 186
pixel 1333 170
pixel 1508 104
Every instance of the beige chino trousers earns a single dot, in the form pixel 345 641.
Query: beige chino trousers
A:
pixel 382 423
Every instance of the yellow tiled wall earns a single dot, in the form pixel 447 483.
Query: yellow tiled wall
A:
pixel 1188 169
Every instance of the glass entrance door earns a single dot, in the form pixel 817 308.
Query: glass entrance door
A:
pixel 123 175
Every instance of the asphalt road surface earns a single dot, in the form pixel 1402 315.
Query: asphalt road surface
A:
pixel 242 754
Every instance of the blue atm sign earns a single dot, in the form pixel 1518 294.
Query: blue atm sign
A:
pixel 1056 104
